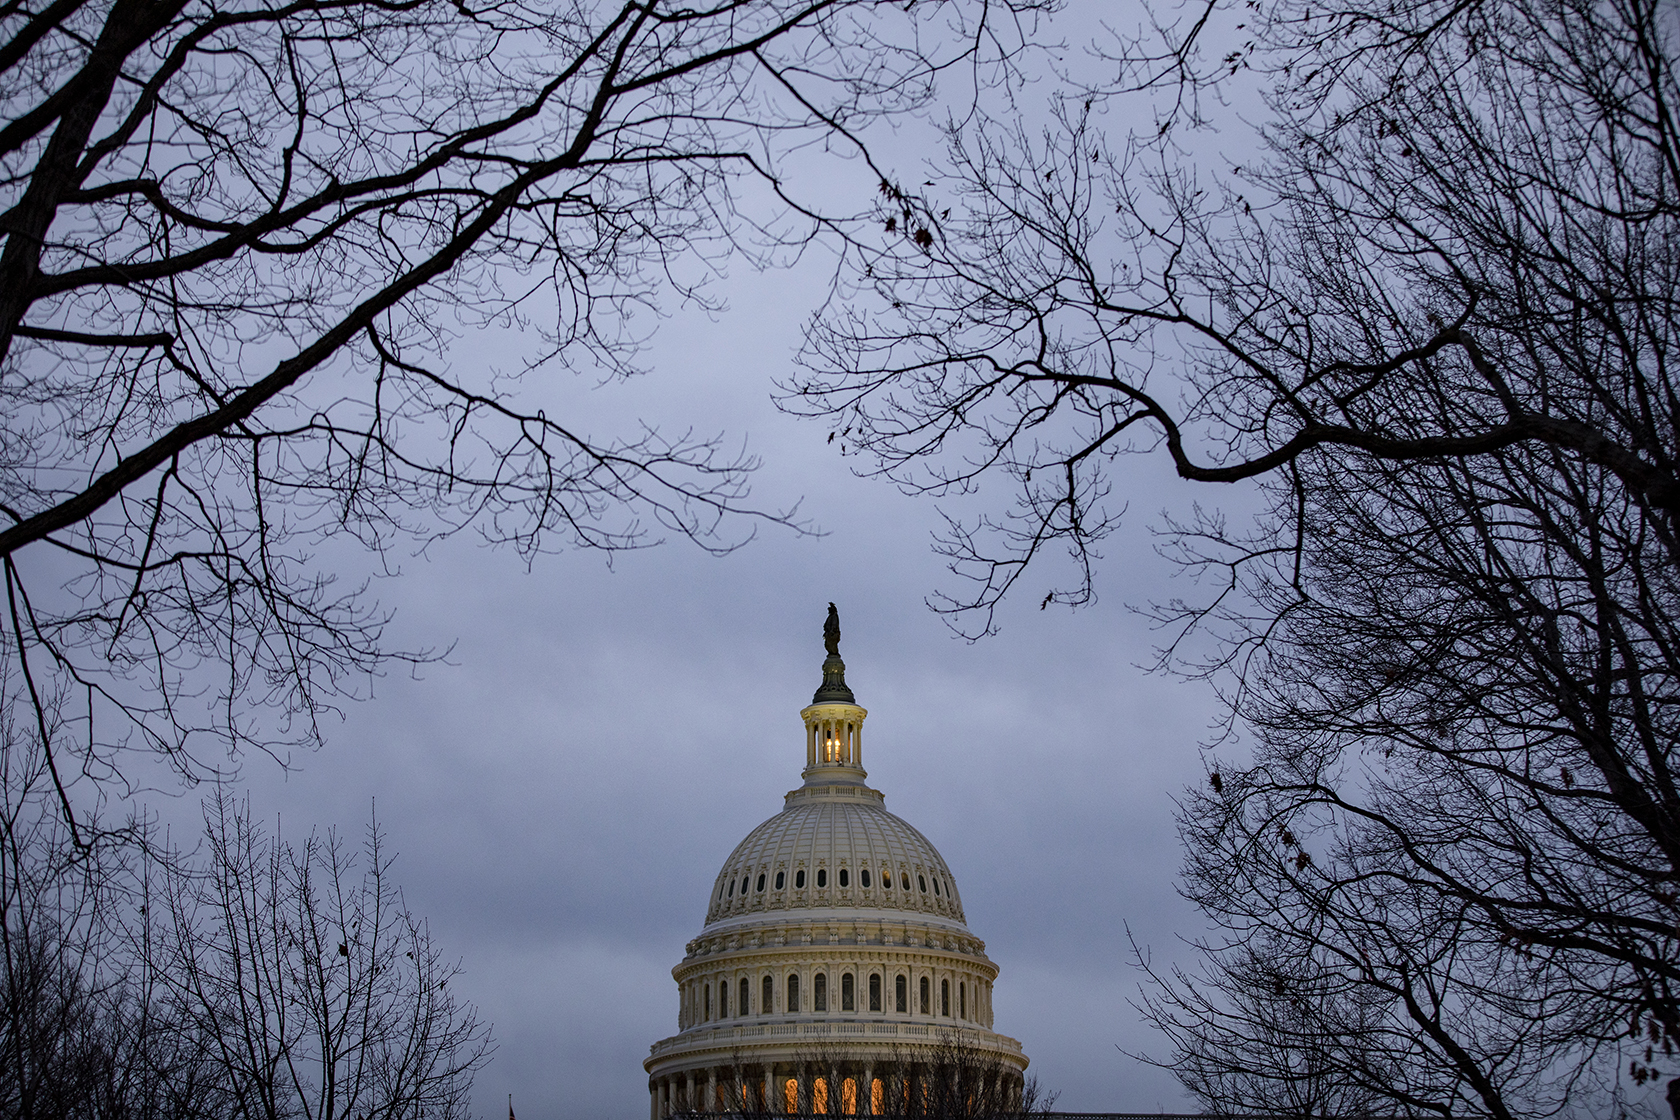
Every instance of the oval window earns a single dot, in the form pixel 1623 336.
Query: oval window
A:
pixel 920 879
pixel 886 878
pixel 844 881
pixel 906 879
pixel 822 876
pixel 936 884
pixel 780 877
pixel 731 888
pixel 799 879
pixel 747 879
pixel 761 881
pixel 863 877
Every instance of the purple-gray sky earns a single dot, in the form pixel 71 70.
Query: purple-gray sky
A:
pixel 562 792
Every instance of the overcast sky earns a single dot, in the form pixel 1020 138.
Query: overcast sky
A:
pixel 563 791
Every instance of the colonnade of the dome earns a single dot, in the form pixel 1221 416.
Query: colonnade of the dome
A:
pixel 872 983
pixel 884 1083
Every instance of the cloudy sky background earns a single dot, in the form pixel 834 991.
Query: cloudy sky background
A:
pixel 562 792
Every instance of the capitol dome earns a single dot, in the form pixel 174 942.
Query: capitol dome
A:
pixel 834 848
pixel 835 973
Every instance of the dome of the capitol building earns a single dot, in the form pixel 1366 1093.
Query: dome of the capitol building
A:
pixel 889 864
pixel 835 972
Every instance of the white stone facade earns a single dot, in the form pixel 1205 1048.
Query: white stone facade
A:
pixel 834 946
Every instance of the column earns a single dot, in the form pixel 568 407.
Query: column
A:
pixel 866 1090
pixel 711 1102
pixel 769 1083
pixel 653 1100
pixel 689 1103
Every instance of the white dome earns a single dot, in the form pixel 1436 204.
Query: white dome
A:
pixel 834 951
pixel 834 848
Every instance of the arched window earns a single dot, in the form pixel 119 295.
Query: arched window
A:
pixel 863 878
pixel 761 882
pixel 799 879
pixel 819 992
pixel 945 997
pixel 848 997
pixel 843 879
pixel 769 996
pixel 822 877
pixel 723 1000
pixel 906 877
pixel 793 992
pixel 962 1001
pixel 743 1007
pixel 922 879
pixel 901 995
pixel 874 991
pixel 924 994
pixel 781 877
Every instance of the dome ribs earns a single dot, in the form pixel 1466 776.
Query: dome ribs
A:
pixel 827 829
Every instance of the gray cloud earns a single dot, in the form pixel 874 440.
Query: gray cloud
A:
pixel 563 791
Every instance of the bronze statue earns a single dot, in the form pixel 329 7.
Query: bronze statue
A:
pixel 833 689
